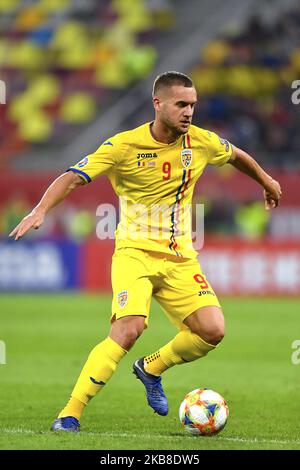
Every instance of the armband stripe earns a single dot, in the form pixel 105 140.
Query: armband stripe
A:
pixel 82 173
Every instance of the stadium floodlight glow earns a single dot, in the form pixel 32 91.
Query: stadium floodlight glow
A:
pixel 2 92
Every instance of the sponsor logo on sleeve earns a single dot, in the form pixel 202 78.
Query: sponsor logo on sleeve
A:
pixel 224 142
pixel 83 162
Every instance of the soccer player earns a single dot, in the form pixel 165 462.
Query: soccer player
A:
pixel 151 167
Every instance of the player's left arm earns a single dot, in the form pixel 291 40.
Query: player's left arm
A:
pixel 246 164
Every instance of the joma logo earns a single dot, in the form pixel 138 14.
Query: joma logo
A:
pixel 146 155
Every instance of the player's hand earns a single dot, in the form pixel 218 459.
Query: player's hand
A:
pixel 272 194
pixel 32 220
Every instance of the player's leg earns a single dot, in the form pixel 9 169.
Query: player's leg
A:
pixel 208 323
pixel 205 331
pixel 131 302
pixel 190 303
pixel 102 363
pixel 126 330
pixel 201 332
pixel 104 358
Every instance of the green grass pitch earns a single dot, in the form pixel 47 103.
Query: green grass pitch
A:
pixel 48 338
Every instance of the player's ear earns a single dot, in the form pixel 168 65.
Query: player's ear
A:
pixel 156 103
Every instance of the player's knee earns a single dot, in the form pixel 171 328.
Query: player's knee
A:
pixel 127 330
pixel 131 334
pixel 213 334
pixel 208 323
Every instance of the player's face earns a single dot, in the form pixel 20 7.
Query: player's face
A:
pixel 175 108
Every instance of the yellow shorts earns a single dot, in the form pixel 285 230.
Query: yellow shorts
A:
pixel 177 284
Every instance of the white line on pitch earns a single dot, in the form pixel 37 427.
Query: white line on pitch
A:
pixel 151 436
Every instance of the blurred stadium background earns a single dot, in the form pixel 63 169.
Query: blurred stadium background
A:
pixel 78 71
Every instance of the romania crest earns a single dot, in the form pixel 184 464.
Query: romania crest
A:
pixel 123 298
pixel 186 157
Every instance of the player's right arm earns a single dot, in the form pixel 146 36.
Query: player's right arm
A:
pixel 100 162
pixel 57 192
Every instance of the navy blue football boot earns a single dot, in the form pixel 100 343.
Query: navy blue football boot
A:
pixel 155 395
pixel 67 424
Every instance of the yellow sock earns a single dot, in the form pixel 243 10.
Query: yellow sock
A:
pixel 74 408
pixel 185 347
pixel 98 369
pixel 154 364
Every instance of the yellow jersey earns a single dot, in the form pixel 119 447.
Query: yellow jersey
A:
pixel 155 183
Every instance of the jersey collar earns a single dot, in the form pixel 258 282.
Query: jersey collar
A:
pixel 162 144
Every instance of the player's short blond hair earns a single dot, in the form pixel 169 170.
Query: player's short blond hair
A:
pixel 169 79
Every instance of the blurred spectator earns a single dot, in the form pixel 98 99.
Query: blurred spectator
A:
pixel 60 57
pixel 79 224
pixel 252 220
pixel 218 213
pixel 244 82
pixel 11 214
